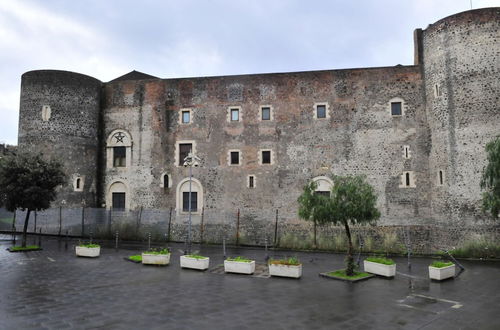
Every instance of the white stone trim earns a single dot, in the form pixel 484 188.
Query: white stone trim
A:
pixel 125 142
pixel 77 177
pixel 411 177
pixel 240 114
pixel 324 183
pixel 190 116
pixel 327 110
pixel 46 112
pixel 162 185
pixel 254 181
pixel 396 100
pixel 177 150
pixel 240 157
pixel 183 186
pixel 406 152
pixel 117 187
pixel 260 156
pixel 271 113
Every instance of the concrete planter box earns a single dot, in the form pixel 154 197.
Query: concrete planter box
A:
pixel 90 252
pixel 441 273
pixel 155 259
pixel 194 263
pixel 239 267
pixel 380 269
pixel 294 271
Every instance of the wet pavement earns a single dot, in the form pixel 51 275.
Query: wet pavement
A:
pixel 53 289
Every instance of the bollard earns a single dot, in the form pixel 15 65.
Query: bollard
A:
pixel 267 253
pixel 40 238
pixel 90 236
pixel 66 241
pixel 224 247
pixel 116 241
pixel 149 241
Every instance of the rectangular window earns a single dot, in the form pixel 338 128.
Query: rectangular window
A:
pixel 251 181
pixel 322 193
pixel 119 156
pixel 235 157
pixel 266 157
pixel 321 111
pixel 235 114
pixel 185 201
pixel 118 201
pixel 266 113
pixel 396 108
pixel 184 150
pixel 186 117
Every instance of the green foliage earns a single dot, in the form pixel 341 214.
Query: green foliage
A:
pixel 292 241
pixel 381 260
pixel 391 243
pixel 157 251
pixel 490 180
pixel 479 248
pixel 441 264
pixel 196 256
pixel 28 182
pixel 25 248
pixel 239 259
pixel 342 274
pixel 89 245
pixel 136 258
pixel 292 261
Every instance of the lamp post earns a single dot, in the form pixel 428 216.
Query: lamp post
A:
pixel 190 161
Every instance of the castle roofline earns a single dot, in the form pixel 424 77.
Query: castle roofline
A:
pixel 134 75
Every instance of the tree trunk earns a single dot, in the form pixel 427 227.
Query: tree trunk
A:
pixel 349 270
pixel 25 229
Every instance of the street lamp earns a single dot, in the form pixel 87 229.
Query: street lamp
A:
pixel 190 161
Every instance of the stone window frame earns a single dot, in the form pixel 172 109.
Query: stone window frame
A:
pixel 271 113
pixel 320 179
pixel 46 112
pixel 181 111
pixel 240 157
pixel 407 152
pixel 162 180
pixel 397 100
pixel 177 150
pixel 78 179
pixel 411 178
pixel 240 114
pixel 327 110
pixel 119 186
pixel 440 178
pixel 196 187
pixel 260 157
pixel 126 142
pixel 438 92
pixel 254 181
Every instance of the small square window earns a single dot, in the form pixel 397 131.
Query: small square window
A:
pixel 235 158
pixel 186 117
pixel 266 157
pixel 266 113
pixel 396 109
pixel 235 114
pixel 321 111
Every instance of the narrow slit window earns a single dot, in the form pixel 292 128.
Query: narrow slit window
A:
pixel 407 179
pixel 251 181
pixel 396 108
pixel 165 181
pixel 441 178
pixel 78 183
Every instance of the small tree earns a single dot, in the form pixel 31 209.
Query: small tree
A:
pixel 351 200
pixel 28 182
pixel 490 180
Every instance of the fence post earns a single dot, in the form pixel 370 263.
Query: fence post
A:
pixel 201 224
pixel 315 243
pixel 109 221
pixel 60 220
pixel 35 223
pixel 138 224
pixel 83 221
pixel 276 229
pixel 169 222
pixel 238 228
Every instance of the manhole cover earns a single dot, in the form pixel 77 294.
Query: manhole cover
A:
pixel 261 270
pixel 428 304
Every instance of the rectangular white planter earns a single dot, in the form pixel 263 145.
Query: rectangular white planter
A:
pixel 193 263
pixel 441 273
pixel 380 269
pixel 239 267
pixel 294 271
pixel 155 259
pixel 91 252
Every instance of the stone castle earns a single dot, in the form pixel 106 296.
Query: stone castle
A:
pixel 416 131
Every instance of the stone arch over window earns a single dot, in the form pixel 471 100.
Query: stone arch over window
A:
pixel 182 198
pixel 118 149
pixel 323 185
pixel 166 180
pixel 118 197
pixel 78 182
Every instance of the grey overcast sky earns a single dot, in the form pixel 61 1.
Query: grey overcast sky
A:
pixel 186 38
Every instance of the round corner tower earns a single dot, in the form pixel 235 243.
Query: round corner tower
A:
pixel 461 67
pixel 59 117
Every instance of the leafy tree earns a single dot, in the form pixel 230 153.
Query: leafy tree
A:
pixel 490 180
pixel 28 182
pixel 351 201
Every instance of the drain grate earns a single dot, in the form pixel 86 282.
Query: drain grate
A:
pixel 428 304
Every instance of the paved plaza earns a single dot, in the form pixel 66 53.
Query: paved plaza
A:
pixel 53 289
